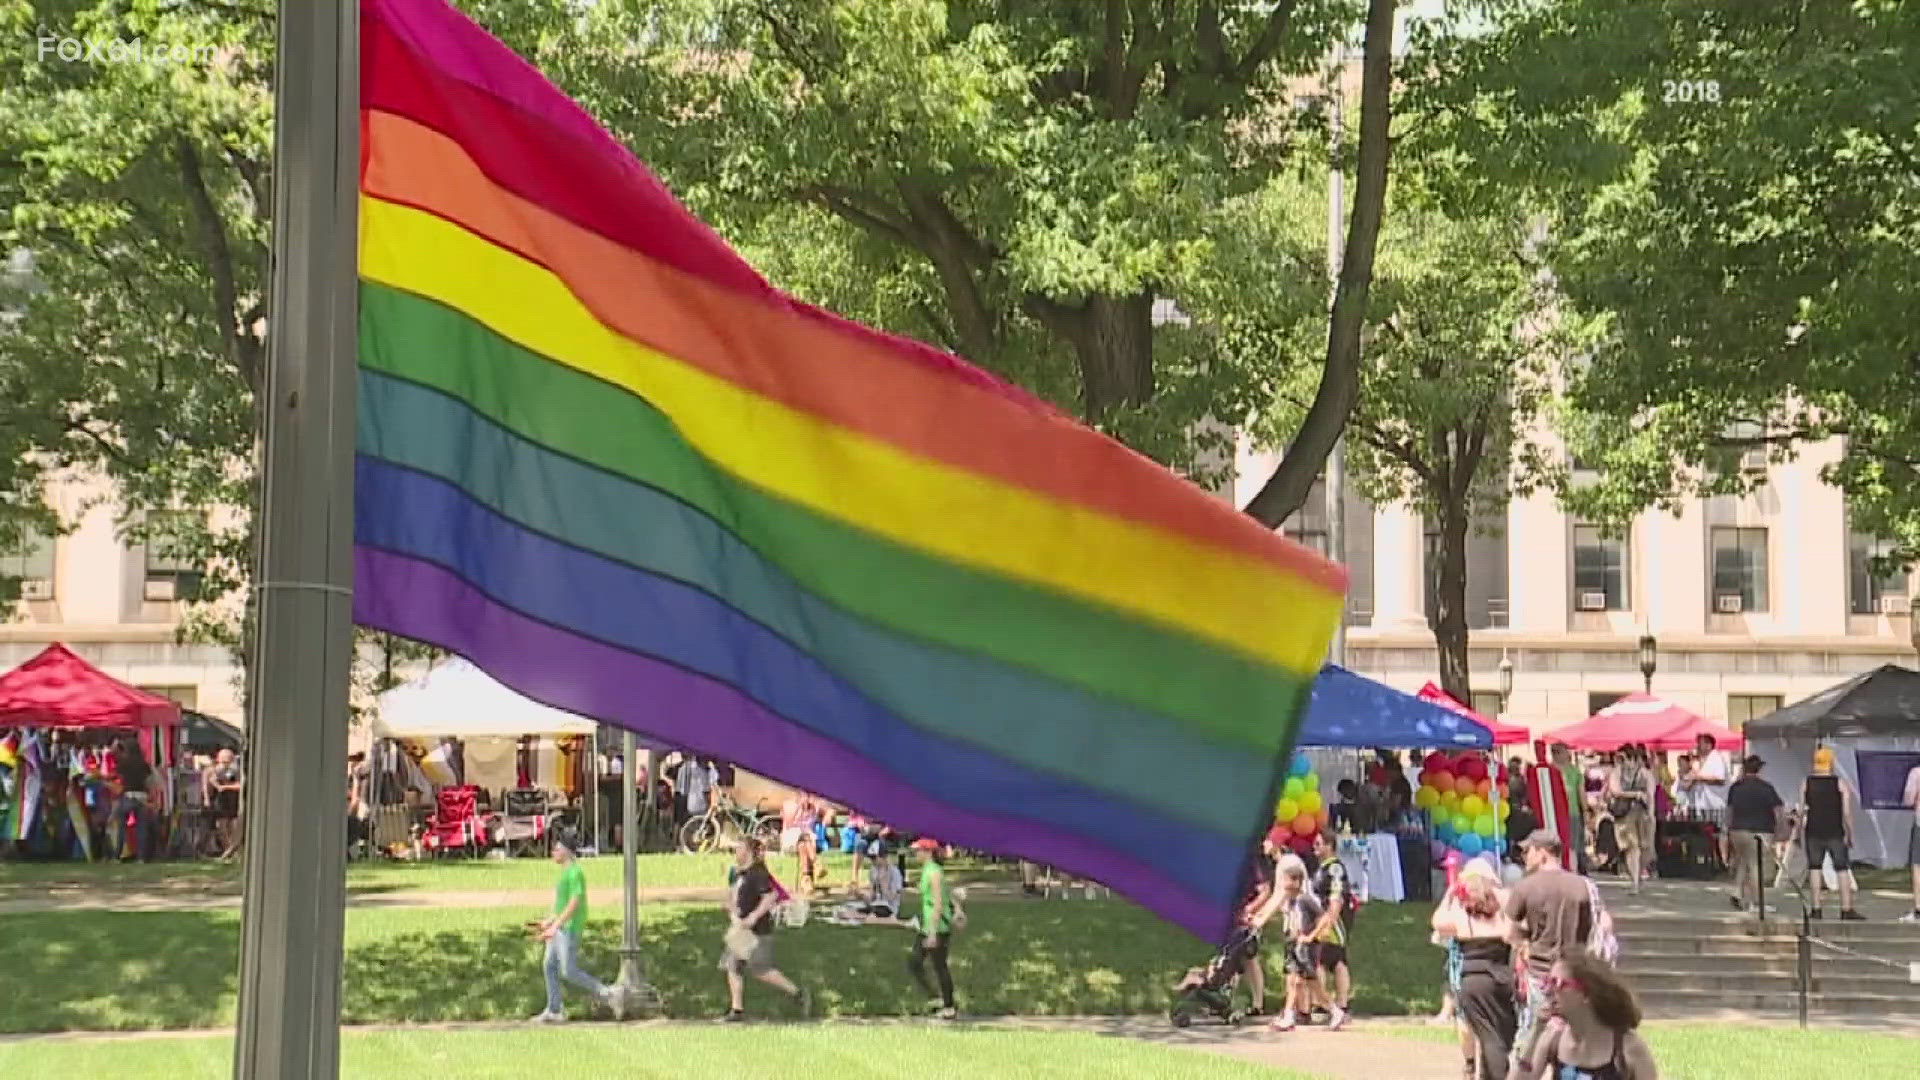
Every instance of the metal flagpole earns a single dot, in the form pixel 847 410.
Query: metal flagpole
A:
pixel 635 992
pixel 295 898
pixel 1336 487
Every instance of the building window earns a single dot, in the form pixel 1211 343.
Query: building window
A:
pixel 1486 702
pixel 1599 570
pixel 1739 570
pixel 1596 702
pixel 172 573
pixel 1872 593
pixel 1312 538
pixel 26 569
pixel 187 697
pixel 1744 707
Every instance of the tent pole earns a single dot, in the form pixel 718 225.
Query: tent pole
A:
pixel 295 891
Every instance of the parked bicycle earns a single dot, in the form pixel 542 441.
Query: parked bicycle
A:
pixel 727 823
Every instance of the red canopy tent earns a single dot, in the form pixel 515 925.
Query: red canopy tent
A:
pixel 1503 734
pixel 1643 718
pixel 59 689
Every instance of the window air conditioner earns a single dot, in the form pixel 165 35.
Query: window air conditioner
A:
pixel 1729 604
pixel 1889 605
pixel 36 589
pixel 160 590
pixel 1593 601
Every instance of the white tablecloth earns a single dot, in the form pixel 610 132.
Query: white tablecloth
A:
pixel 1373 863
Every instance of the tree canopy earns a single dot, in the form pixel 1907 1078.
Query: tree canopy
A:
pixel 1024 180
pixel 1735 191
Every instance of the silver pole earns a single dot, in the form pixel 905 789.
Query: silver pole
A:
pixel 630 862
pixel 295 899
pixel 635 993
pixel 1336 486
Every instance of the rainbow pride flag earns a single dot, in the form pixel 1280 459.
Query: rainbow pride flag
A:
pixel 604 460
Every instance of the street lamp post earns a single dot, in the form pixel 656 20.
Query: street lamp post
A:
pixel 1506 681
pixel 1649 659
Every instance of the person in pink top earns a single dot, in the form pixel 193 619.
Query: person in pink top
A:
pixel 798 815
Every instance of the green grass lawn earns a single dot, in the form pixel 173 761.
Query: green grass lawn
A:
pixel 1753 1052
pixel 667 871
pixel 176 969
pixel 669 1053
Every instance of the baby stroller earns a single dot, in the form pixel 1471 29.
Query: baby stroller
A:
pixel 1209 990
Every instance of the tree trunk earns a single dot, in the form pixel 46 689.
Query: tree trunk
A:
pixel 1447 613
pixel 1113 341
pixel 1292 481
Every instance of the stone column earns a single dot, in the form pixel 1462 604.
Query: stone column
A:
pixel 1399 573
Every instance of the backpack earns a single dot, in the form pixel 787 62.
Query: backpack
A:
pixel 957 911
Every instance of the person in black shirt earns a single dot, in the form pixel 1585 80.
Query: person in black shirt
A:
pixel 130 810
pixel 751 896
pixel 1754 815
pixel 1827 830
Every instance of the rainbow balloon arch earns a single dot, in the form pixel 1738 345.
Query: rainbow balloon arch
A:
pixel 1301 813
pixel 1464 794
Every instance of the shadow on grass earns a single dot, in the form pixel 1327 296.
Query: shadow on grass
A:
pixel 160 970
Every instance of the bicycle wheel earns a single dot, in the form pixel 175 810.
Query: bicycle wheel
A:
pixel 700 835
pixel 767 831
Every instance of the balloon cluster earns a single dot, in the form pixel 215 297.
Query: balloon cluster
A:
pixel 1301 813
pixel 1462 792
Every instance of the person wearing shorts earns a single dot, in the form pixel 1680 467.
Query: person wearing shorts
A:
pixel 1827 830
pixel 1293 900
pixel 749 938
pixel 1333 891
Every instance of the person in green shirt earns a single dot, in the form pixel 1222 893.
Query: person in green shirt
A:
pixel 561 931
pixel 934 937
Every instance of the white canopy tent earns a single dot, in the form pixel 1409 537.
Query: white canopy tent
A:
pixel 459 700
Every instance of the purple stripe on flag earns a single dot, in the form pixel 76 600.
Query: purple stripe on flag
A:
pixel 424 602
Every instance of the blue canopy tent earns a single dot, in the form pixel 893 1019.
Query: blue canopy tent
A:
pixel 1352 711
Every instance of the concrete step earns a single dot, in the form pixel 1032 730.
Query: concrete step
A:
pixel 1888 946
pixel 1638 961
pixel 1658 1000
pixel 1826 985
pixel 1782 924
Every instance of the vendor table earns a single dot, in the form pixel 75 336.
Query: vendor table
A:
pixel 1373 863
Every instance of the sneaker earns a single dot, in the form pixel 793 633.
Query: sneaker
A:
pixel 1850 915
pixel 947 1013
pixel 1338 1021
pixel 734 1016
pixel 1816 914
pixel 1283 1022
pixel 1738 904
pixel 1910 917
pixel 545 1017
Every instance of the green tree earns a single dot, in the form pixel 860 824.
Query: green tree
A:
pixel 142 192
pixel 1461 349
pixel 1736 194
pixel 1025 178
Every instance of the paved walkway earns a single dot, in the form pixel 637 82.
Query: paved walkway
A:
pixel 1365 1051
pixel 603 899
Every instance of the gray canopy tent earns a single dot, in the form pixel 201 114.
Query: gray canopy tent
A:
pixel 1872 723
